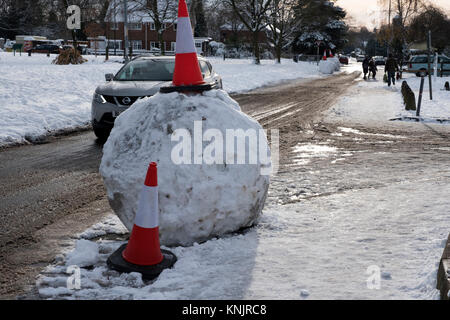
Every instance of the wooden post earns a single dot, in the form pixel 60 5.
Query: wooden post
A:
pixel 443 276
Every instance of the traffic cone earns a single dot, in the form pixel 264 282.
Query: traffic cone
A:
pixel 325 55
pixel 143 253
pixel 331 54
pixel 187 75
pixel 187 71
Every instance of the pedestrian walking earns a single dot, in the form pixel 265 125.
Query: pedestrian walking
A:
pixel 372 68
pixel 391 68
pixel 365 65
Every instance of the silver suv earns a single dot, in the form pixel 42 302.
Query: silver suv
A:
pixel 139 78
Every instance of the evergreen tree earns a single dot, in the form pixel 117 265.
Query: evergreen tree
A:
pixel 320 20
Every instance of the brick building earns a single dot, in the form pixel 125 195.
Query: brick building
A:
pixel 142 33
pixel 237 33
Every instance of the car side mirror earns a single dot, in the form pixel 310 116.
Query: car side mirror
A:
pixel 109 77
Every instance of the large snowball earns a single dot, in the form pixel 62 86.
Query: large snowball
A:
pixel 196 201
pixel 327 66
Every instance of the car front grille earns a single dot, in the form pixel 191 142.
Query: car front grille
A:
pixel 123 101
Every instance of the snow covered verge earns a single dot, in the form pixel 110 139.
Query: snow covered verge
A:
pixel 372 102
pixel 38 98
pixel 240 75
pixel 326 248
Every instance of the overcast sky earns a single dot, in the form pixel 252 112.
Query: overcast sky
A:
pixel 367 12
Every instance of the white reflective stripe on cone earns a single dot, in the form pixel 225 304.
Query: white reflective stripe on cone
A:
pixel 147 215
pixel 185 38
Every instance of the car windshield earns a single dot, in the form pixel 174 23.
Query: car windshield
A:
pixel 147 70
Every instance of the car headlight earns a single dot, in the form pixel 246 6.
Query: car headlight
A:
pixel 99 98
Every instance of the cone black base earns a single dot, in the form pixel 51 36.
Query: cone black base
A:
pixel 118 263
pixel 197 88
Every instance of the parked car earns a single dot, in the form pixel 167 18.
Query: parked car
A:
pixel 141 77
pixel 419 63
pixel 360 58
pixel 379 60
pixel 47 48
pixel 343 59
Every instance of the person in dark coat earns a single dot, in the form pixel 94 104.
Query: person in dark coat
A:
pixel 365 65
pixel 390 68
pixel 372 68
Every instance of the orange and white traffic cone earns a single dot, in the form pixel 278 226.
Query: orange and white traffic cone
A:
pixel 187 71
pixel 331 54
pixel 143 253
pixel 325 55
pixel 187 75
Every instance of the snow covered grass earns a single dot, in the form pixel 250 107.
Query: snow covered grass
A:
pixel 38 98
pixel 241 75
pixel 372 102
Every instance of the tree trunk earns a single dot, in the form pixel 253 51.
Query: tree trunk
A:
pixel 256 47
pixel 160 31
pixel 162 47
pixel 278 51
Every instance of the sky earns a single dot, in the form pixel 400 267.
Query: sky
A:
pixel 368 13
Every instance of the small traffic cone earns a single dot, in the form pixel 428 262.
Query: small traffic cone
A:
pixel 331 54
pixel 187 75
pixel 325 55
pixel 143 253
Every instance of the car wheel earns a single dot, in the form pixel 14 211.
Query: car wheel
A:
pixel 101 133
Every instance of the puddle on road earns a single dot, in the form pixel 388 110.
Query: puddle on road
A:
pixel 304 153
pixel 355 131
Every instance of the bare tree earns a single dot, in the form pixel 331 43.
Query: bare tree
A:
pixel 404 9
pixel 399 13
pixel 253 14
pixel 282 24
pixel 163 14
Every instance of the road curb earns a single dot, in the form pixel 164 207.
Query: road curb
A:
pixel 443 276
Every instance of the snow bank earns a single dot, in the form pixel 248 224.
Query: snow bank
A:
pixel 329 66
pixel 326 67
pixel 196 201
pixel 336 62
